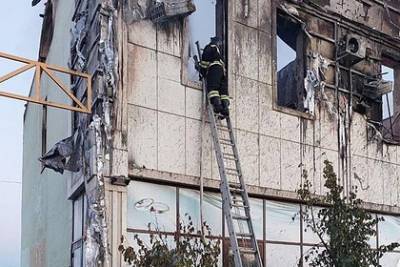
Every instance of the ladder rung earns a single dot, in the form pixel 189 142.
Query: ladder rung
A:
pixel 236 190
pixel 238 200
pixel 239 206
pixel 228 158
pixel 244 234
pixel 247 250
pixel 240 217
pixel 223 128
pixel 226 143
pixel 235 185
pixel 224 139
pixel 231 169
pixel 233 174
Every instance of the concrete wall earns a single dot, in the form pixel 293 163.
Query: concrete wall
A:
pixel 46 211
pixel 275 146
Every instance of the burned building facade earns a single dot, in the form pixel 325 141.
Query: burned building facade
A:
pixel 311 80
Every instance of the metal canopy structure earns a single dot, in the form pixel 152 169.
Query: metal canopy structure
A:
pixel 50 70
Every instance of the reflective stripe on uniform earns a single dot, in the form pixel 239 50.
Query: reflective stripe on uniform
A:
pixel 224 97
pixel 218 62
pixel 213 93
pixel 204 64
pixel 216 46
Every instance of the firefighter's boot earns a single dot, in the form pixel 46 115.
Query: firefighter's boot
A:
pixel 225 105
pixel 216 103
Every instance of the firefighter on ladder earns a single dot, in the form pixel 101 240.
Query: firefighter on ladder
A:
pixel 212 68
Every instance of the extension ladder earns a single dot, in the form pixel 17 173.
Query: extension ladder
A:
pixel 235 200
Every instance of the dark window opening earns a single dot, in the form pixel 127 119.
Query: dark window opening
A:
pixel 207 21
pixel 290 63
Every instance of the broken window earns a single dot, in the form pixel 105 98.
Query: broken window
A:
pixel 207 21
pixel 387 99
pixel 79 220
pixel 290 63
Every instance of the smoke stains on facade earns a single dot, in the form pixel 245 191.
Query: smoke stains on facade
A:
pixel 308 84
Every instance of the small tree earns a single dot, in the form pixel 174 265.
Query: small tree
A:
pixel 192 249
pixel 342 226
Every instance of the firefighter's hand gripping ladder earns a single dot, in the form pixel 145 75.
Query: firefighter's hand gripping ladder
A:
pixel 235 200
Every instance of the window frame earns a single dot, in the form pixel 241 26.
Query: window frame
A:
pixel 275 8
pixel 78 244
pixel 221 26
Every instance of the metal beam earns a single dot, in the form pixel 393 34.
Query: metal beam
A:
pixel 49 70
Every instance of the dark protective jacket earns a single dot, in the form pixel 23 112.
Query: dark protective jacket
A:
pixel 213 69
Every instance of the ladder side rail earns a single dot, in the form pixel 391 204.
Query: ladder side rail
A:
pixel 226 201
pixel 244 194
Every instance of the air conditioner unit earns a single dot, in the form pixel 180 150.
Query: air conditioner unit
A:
pixel 352 49
pixel 163 11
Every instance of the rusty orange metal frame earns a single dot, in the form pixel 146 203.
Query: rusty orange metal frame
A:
pixel 40 68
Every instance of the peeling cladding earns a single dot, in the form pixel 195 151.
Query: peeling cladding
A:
pixel 98 142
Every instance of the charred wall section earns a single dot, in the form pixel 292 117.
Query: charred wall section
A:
pixel 338 118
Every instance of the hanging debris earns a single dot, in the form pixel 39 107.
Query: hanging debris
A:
pixel 163 11
pixel 135 10
pixel 66 155
pixel 314 80
pixel 35 2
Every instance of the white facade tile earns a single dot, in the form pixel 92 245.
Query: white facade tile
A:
pixel 194 103
pixel 270 157
pixel 248 104
pixel 142 137
pixel 169 39
pixel 169 67
pixel 270 120
pixel 143 33
pixel 142 85
pixel 193 146
pixel 248 147
pixel 290 165
pixel 171 97
pixel 171 143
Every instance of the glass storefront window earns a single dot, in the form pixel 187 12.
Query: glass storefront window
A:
pixel 152 204
pixel 213 212
pixel 278 255
pixel 257 213
pixel 156 204
pixel 390 260
pixel 189 204
pixel 389 230
pixel 283 221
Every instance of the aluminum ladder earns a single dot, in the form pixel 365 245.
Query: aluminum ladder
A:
pixel 235 200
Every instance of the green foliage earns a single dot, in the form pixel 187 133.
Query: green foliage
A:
pixel 192 249
pixel 342 226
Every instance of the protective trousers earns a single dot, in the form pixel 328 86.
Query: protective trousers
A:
pixel 217 89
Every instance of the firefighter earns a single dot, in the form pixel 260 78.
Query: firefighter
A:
pixel 213 69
